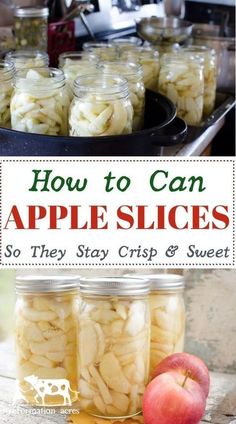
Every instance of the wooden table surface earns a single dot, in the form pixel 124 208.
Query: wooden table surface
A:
pixel 221 405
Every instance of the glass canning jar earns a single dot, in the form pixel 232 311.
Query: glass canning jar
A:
pixel 127 41
pixel 125 44
pixel 104 51
pixel 75 64
pixel 210 74
pixel 6 87
pixel 134 74
pixel 149 59
pixel 181 79
pixel 167 316
pixel 46 339
pixel 40 102
pixel 27 59
pixel 101 106
pixel 114 344
pixel 31 27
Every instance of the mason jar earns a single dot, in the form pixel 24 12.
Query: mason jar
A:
pixel 6 87
pixel 208 56
pixel 104 51
pixel 27 59
pixel 46 339
pixel 101 106
pixel 40 102
pixel 181 79
pixel 126 44
pixel 167 316
pixel 149 60
pixel 127 41
pixel 75 64
pixel 114 344
pixel 31 27
pixel 134 74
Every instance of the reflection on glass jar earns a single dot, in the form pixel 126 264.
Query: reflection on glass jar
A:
pixel 31 27
pixel 149 60
pixel 209 59
pixel 134 74
pixel 114 343
pixel 101 106
pixel 27 59
pixel 6 88
pixel 40 102
pixel 181 79
pixel 46 344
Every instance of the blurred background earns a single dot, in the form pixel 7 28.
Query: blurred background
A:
pixel 210 298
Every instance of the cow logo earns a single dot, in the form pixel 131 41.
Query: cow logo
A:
pixel 49 387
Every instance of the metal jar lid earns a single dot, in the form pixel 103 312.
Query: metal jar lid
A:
pixel 114 286
pixel 31 12
pixel 46 283
pixel 164 282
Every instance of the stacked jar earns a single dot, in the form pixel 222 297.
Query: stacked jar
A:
pixel 40 102
pixel 181 79
pixel 167 310
pixel 167 316
pixel 149 60
pixel 104 51
pixel 101 106
pixel 208 56
pixel 114 343
pixel 76 64
pixel 31 27
pixel 6 87
pixel 27 59
pixel 46 342
pixel 134 75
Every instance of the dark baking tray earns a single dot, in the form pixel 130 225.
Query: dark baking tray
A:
pixel 161 128
pixel 224 103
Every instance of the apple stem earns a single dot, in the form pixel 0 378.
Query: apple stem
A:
pixel 185 378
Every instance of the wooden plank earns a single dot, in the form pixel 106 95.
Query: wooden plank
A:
pixel 221 405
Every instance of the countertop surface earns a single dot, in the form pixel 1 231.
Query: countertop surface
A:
pixel 221 405
pixel 198 145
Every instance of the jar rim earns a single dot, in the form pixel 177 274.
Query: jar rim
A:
pixel 7 70
pixel 73 54
pixel 198 49
pixel 163 282
pixel 129 68
pixel 56 76
pixel 96 84
pixel 31 12
pixel 178 57
pixel 46 283
pixel 114 286
pixel 93 45
pixel 132 41
pixel 143 52
pixel 35 54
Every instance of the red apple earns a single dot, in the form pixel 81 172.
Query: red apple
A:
pixel 172 398
pixel 186 363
